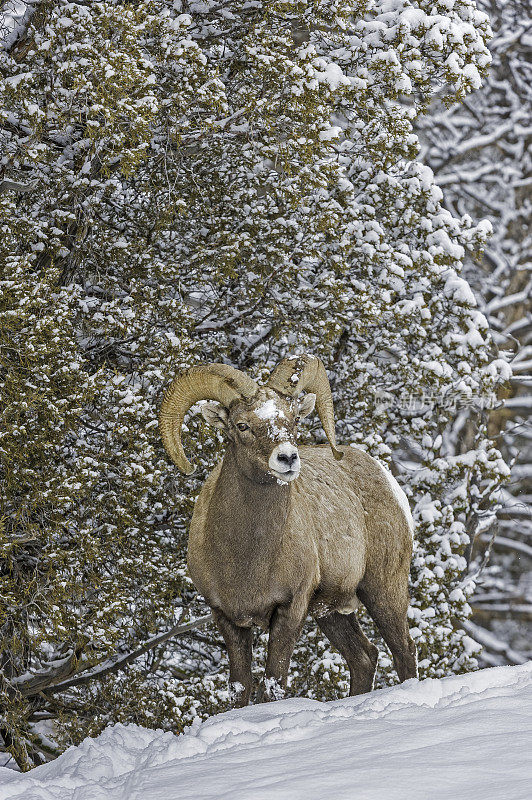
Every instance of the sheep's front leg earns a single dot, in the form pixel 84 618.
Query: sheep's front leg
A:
pixel 285 627
pixel 238 642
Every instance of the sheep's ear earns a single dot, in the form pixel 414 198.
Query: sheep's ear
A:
pixel 215 414
pixel 306 406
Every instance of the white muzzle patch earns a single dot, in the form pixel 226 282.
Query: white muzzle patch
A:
pixel 284 462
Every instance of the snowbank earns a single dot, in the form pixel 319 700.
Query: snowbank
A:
pixel 463 737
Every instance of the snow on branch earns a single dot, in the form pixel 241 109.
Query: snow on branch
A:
pixel 485 140
pixel 519 404
pixel 29 684
pixel 489 611
pixel 14 18
pixel 499 303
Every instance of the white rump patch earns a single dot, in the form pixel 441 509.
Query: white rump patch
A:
pixel 400 496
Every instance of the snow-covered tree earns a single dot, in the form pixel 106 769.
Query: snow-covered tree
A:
pixel 225 182
pixel 479 151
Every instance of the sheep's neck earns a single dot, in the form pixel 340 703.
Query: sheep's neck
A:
pixel 249 514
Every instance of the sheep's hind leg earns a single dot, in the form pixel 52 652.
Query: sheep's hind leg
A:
pixel 344 633
pixel 388 609
pixel 238 641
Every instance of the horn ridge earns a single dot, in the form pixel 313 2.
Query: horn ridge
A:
pixel 296 374
pixel 219 382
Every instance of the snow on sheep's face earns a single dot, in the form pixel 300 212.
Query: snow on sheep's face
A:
pixel 263 433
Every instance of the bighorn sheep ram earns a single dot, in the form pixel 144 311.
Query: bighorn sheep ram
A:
pixel 280 532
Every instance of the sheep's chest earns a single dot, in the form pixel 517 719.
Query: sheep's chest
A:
pixel 248 583
pixel 245 597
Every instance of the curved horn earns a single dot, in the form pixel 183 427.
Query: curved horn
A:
pixel 208 382
pixel 296 374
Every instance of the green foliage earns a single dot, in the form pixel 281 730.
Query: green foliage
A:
pixel 211 189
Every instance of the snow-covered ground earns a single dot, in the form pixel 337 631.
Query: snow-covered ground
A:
pixel 462 738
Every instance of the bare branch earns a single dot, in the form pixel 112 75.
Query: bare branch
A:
pixel 492 644
pixel 16 186
pixel 509 545
pixel 14 20
pixel 52 673
pixel 120 661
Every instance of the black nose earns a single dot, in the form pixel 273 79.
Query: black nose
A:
pixel 284 459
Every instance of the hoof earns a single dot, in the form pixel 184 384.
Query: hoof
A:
pixel 270 690
pixel 238 696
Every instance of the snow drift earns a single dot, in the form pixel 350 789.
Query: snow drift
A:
pixel 464 736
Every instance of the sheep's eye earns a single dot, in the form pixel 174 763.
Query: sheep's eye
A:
pixel 242 426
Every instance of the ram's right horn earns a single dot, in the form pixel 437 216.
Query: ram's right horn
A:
pixel 297 374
